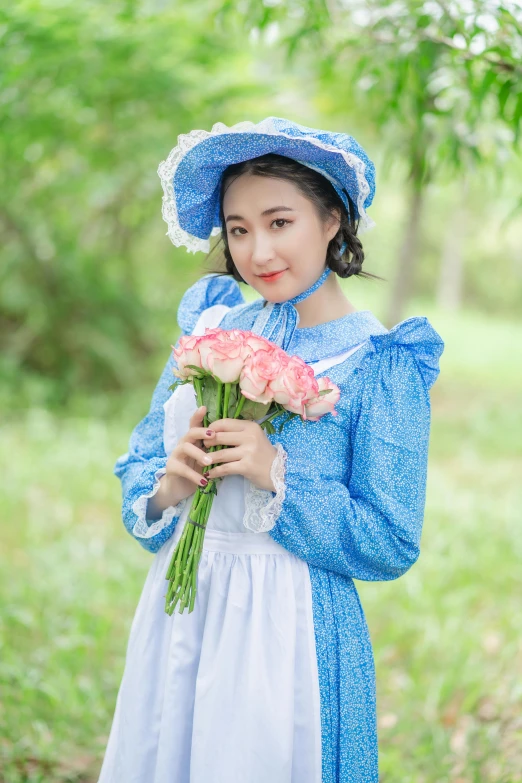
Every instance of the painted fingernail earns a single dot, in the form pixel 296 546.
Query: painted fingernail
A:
pixel 210 432
pixel 203 482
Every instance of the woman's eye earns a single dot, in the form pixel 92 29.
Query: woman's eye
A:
pixel 240 230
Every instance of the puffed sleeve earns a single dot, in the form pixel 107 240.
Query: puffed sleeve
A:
pixel 142 467
pixel 210 290
pixel 369 527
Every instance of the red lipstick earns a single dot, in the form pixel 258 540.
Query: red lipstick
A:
pixel 273 276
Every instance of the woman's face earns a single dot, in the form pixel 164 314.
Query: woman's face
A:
pixel 271 227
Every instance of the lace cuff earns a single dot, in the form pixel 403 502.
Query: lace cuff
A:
pixel 263 506
pixel 144 528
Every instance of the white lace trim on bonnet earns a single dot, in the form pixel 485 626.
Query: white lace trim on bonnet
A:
pixel 186 141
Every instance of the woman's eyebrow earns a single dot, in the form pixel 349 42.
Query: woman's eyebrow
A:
pixel 266 212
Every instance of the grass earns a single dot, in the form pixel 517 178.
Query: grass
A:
pixel 447 635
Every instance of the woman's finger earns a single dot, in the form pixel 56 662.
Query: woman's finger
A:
pixel 199 433
pixel 198 416
pixel 195 422
pixel 227 469
pixel 229 425
pixel 182 469
pixel 224 455
pixel 235 438
pixel 194 452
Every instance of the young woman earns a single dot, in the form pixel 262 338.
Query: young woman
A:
pixel 271 678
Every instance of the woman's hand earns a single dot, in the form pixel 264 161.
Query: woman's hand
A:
pixel 186 461
pixel 250 453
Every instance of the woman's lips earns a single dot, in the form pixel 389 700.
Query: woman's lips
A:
pixel 271 278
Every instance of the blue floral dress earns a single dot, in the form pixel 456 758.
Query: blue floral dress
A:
pixel 349 504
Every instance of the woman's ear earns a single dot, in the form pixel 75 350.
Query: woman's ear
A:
pixel 333 224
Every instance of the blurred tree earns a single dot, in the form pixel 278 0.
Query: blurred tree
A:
pixel 435 78
pixel 450 283
pixel 92 96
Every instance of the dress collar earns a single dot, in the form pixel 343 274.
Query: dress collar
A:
pixel 279 323
pixel 313 343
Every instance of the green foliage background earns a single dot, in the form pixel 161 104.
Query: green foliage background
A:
pixel 92 98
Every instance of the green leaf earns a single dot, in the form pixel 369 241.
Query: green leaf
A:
pixel 487 82
pixel 289 415
pixel 233 399
pixel 200 373
pixel 424 20
pixel 210 397
pixel 517 116
pixel 254 410
pixel 504 93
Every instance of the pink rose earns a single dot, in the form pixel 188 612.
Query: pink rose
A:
pixel 206 344
pixel 187 352
pixel 325 403
pixel 225 359
pixel 256 343
pixel 234 335
pixel 294 386
pixel 260 368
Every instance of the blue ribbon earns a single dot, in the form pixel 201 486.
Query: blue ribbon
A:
pixel 277 321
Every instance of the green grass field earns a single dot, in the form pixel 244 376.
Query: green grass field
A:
pixel 447 636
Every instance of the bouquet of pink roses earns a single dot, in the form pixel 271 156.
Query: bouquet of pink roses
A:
pixel 237 374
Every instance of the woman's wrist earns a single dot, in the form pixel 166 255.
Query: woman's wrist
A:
pixel 165 497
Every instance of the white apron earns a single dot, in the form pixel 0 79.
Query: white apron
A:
pixel 228 693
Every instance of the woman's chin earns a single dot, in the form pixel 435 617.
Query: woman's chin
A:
pixel 274 291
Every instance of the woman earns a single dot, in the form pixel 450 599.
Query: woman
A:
pixel 271 678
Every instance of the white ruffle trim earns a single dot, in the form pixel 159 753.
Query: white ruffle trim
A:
pixel 262 507
pixel 186 141
pixel 141 529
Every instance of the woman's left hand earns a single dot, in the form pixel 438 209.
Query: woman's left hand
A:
pixel 250 453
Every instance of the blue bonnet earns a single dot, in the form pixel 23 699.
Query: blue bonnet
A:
pixel 191 175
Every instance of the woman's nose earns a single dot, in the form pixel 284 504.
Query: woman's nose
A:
pixel 262 250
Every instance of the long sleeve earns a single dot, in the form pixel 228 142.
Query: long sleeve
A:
pixel 142 467
pixel 369 527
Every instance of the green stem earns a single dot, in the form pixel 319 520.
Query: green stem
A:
pixel 272 416
pixel 225 400
pixel 239 406
pixel 178 552
pixel 183 569
pixel 198 504
pixel 175 568
pixel 186 574
pixel 194 587
pixel 218 399
pixel 198 387
pixel 199 391
pixel 189 580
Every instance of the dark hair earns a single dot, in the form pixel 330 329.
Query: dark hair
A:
pixel 323 196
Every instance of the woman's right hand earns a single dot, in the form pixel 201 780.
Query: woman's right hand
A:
pixel 186 461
